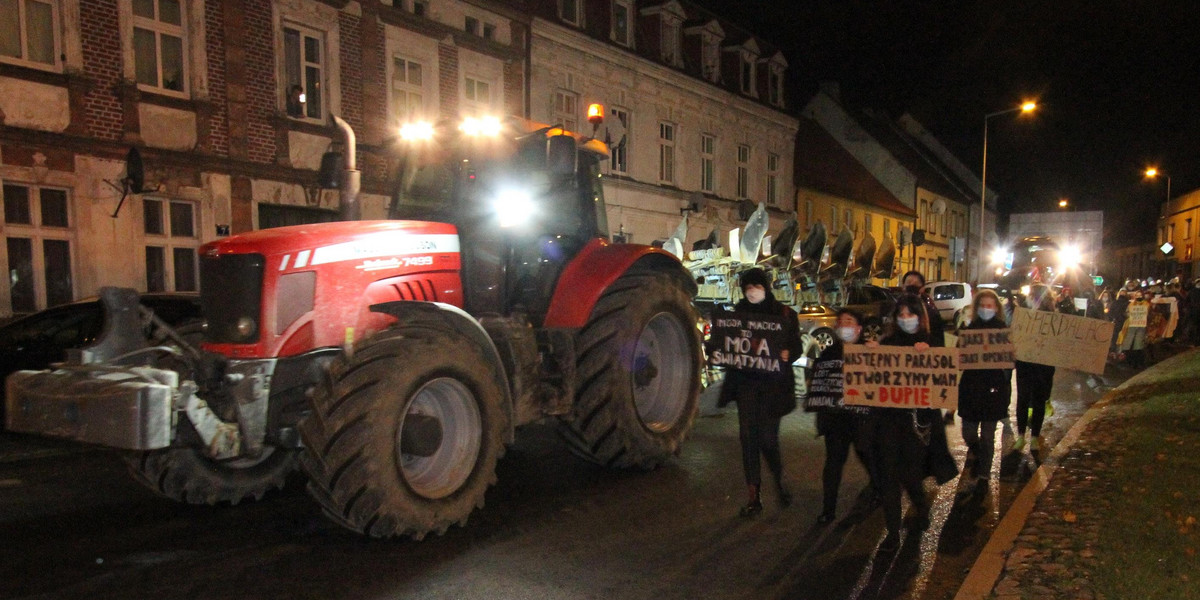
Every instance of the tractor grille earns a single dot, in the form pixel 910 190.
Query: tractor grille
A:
pixel 231 290
pixel 416 289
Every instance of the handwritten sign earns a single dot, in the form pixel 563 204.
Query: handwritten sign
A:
pixel 1061 340
pixel 1139 314
pixel 985 349
pixel 747 342
pixel 900 377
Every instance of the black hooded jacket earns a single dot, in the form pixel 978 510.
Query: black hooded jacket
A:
pixel 776 390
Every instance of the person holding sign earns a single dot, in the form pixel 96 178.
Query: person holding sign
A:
pixel 763 394
pixel 837 422
pixel 1132 341
pixel 1034 382
pixel 898 439
pixel 983 396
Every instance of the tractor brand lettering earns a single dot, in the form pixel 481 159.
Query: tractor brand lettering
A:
pixel 395 262
pixel 384 246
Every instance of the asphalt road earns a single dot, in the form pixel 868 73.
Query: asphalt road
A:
pixel 74 525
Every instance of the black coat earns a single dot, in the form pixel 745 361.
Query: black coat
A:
pixel 928 432
pixel 984 394
pixel 777 392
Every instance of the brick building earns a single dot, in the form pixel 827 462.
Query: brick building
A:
pixel 229 104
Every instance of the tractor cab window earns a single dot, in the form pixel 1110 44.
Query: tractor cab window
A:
pixel 424 191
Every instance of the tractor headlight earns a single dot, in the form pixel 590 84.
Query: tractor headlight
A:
pixel 1069 257
pixel 999 256
pixel 246 327
pixel 480 126
pixel 513 208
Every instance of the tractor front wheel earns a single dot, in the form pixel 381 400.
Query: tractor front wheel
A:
pixel 405 434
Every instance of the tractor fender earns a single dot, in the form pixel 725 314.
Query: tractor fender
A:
pixel 448 317
pixel 596 267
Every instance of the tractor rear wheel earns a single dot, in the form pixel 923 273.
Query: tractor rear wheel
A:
pixel 638 369
pixel 405 434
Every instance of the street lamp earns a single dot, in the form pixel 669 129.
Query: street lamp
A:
pixel 1027 107
pixel 1062 203
pixel 1153 172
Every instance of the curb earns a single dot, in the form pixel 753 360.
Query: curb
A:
pixel 989 566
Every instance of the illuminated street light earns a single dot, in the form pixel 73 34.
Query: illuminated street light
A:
pixel 1063 203
pixel 1153 173
pixel 1027 107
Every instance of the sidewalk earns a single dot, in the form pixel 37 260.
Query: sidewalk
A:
pixel 1052 543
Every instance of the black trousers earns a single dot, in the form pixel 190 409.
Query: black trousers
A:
pixel 759 434
pixel 840 430
pixel 1034 383
pixel 900 461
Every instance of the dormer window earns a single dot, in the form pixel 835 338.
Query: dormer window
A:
pixel 710 58
pixel 622 13
pixel 775 87
pixel 746 74
pixel 570 11
pixel 670 41
pixel 707 39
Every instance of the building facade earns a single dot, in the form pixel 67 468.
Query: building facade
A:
pixel 1177 225
pixel 229 105
pixel 696 115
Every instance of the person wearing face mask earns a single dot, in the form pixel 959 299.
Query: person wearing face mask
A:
pixel 762 399
pixel 914 283
pixel 900 438
pixel 983 397
pixel 837 422
pixel 1034 383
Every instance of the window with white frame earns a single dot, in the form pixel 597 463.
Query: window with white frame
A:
pixel 478 96
pixel 746 72
pixel 670 40
pixel 28 32
pixel 772 178
pixel 622 11
pixel 666 152
pixel 775 86
pixel 708 147
pixel 833 225
pixel 471 26
pixel 1187 229
pixel 850 221
pixel 489 31
pixel 420 7
pixel 566 110
pixel 171 241
pixel 619 150
pixel 304 66
pixel 408 92
pixel 158 45
pixel 38 232
pixel 570 11
pixel 743 171
pixel 867 222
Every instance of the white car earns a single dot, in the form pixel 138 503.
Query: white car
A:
pixel 950 298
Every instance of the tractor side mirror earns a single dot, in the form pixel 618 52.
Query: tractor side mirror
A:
pixel 329 176
pixel 561 154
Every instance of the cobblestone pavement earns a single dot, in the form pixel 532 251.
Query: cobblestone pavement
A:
pixel 1054 555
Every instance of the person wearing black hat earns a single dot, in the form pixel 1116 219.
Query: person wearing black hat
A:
pixel 763 398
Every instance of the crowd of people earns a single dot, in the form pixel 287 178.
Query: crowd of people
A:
pixel 900 448
pixel 1146 313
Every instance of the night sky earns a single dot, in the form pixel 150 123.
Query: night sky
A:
pixel 1118 84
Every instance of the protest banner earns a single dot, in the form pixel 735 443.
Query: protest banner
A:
pixel 1139 314
pixel 1061 340
pixel 747 342
pixel 900 377
pixel 985 349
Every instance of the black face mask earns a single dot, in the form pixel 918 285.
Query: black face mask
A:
pixel 912 289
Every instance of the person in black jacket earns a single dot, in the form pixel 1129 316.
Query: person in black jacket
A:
pixel 914 283
pixel 1034 382
pixel 763 399
pixel 898 441
pixel 838 423
pixel 983 396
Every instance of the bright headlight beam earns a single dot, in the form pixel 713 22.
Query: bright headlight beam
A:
pixel 513 208
pixel 999 255
pixel 480 126
pixel 418 131
pixel 1069 256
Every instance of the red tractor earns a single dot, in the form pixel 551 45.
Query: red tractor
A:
pixel 394 360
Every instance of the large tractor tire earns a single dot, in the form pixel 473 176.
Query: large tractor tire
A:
pixel 185 475
pixel 405 433
pixel 639 362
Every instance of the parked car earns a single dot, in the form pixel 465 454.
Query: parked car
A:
pixel 950 298
pixel 35 341
pixel 874 303
pixel 818 321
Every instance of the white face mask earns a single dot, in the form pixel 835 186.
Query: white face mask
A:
pixel 986 314
pixel 848 334
pixel 756 295
pixel 908 324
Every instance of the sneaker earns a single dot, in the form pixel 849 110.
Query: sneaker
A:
pixel 1049 409
pixel 1019 444
pixel 1036 443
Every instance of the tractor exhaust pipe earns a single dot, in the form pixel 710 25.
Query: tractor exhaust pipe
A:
pixel 348 207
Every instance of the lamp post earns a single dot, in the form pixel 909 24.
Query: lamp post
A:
pixel 1153 172
pixel 1024 108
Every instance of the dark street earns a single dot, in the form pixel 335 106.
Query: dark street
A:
pixel 76 526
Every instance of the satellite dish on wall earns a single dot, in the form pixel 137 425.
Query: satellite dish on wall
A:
pixel 938 207
pixel 135 178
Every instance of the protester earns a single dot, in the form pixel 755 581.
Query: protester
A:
pixel 983 396
pixel 1034 383
pixel 1132 340
pixel 762 399
pixel 838 423
pixel 914 283
pixel 1192 314
pixel 899 443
